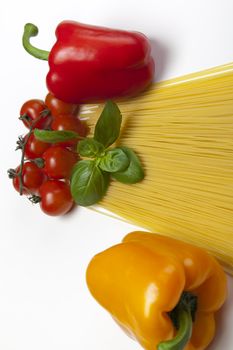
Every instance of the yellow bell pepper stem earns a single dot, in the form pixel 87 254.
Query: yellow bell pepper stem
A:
pixel 183 335
pixel 182 316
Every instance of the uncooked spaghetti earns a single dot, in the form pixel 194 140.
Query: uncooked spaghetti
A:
pixel 182 130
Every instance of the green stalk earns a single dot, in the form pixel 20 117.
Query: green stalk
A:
pixel 183 335
pixel 31 30
pixel 182 317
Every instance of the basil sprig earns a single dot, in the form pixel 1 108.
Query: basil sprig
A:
pixel 90 178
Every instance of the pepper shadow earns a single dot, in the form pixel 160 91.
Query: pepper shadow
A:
pixel 223 330
pixel 161 53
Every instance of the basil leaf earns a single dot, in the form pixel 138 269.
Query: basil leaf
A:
pixel 88 183
pixel 108 126
pixel 52 136
pixel 114 160
pixel 90 148
pixel 134 173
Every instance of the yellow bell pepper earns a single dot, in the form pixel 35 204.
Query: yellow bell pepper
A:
pixel 161 291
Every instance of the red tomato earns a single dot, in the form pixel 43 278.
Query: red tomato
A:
pixel 55 197
pixel 57 106
pixel 59 162
pixel 33 177
pixel 35 148
pixel 69 122
pixel 34 109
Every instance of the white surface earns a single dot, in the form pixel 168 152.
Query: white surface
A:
pixel 44 301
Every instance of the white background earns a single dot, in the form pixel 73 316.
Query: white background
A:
pixel 44 301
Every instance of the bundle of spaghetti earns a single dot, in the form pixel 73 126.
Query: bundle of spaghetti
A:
pixel 182 130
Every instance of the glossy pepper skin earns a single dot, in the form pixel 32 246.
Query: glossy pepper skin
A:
pixel 90 64
pixel 141 280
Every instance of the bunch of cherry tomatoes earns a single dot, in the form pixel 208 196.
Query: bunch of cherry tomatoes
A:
pixel 45 169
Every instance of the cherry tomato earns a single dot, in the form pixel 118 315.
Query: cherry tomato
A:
pixel 57 106
pixel 34 109
pixel 55 197
pixel 59 162
pixel 33 177
pixel 34 148
pixel 69 122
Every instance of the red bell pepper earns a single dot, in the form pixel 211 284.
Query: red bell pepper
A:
pixel 90 63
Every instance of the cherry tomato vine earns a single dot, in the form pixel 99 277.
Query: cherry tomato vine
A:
pixel 44 170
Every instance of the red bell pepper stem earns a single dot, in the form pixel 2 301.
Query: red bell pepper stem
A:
pixel 29 31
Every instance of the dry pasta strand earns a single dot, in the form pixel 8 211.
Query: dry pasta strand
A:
pixel 182 130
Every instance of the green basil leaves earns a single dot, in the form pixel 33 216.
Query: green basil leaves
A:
pixel 114 160
pixel 51 136
pixel 88 183
pixel 107 129
pixel 91 177
pixel 90 148
pixel 134 172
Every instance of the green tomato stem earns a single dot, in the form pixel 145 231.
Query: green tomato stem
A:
pixel 20 173
pixel 31 30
